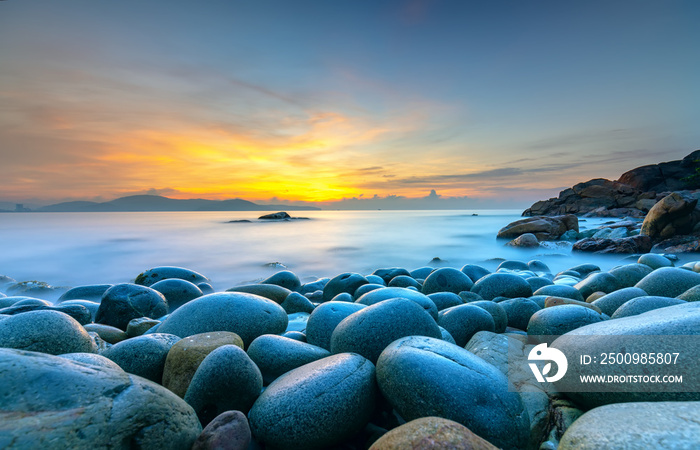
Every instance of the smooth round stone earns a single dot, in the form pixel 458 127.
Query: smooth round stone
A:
pixel 247 315
pixel 140 326
pixel 464 321
pixel 49 402
pixel 655 261
pixel 90 305
pixel 387 274
pixel 177 292
pixel 29 301
pixel 468 296
pixel 597 338
pixel 444 300
pixel 538 282
pixel 343 297
pixel 691 295
pixel 296 335
pixel 447 279
pixel 368 331
pixel 404 281
pixel 295 303
pixel 152 276
pixel 227 379
pixel 187 354
pixel 585 269
pixel 374 279
pixel 538 266
pixel 513 265
pixel 560 291
pixel 314 286
pixel 421 273
pixel 519 311
pixel 345 282
pixel 8 301
pixel 91 358
pixel 502 285
pixel 557 301
pixel 498 314
pixel 636 426
pixel 540 300
pixel 277 294
pixel 228 431
pixel 143 355
pixel 316 406
pixel 108 333
pixel 92 292
pixel 78 312
pixel 669 281
pixel 561 319
pixel 324 319
pixel 387 293
pixel 46 332
pixel 206 288
pixel 365 288
pixel 601 281
pixel 630 274
pixel 285 278
pixel 276 355
pixel 643 304
pixel 609 303
pixel 569 273
pixel 123 302
pixel 474 272
pixel 458 386
pixel 428 433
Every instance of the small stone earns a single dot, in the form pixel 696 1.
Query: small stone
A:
pixel 429 433
pixel 228 431
pixel 123 302
pixel 152 276
pixel 177 292
pixel 143 355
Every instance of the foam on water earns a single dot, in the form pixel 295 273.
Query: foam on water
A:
pixel 70 249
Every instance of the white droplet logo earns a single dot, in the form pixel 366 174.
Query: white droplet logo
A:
pixel 542 353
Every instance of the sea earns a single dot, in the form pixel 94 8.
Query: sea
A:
pixel 233 248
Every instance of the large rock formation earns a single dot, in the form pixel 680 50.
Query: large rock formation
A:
pixel 634 194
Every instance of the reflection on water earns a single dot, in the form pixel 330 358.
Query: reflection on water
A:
pixel 71 249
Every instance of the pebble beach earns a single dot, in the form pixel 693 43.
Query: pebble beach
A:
pixel 396 358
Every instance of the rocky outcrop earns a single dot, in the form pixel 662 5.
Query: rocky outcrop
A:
pixel 633 195
pixel 544 228
pixel 672 215
pixel 633 244
pixel 666 176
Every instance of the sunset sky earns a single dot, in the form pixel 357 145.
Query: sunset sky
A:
pixel 468 103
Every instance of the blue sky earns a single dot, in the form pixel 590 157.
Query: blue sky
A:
pixel 488 103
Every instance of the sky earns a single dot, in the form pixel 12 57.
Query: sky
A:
pixel 342 104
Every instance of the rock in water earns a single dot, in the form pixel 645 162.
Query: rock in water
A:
pixel 47 400
pixel 543 227
pixel 156 274
pixel 316 406
pixel 458 386
pixel 275 216
pixel 672 215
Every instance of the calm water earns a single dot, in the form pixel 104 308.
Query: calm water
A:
pixel 70 249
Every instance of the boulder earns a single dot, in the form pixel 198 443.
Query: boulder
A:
pixel 285 279
pixel 49 332
pixel 474 271
pixel 143 355
pixel 316 406
pixel 609 303
pixel 560 291
pixel 228 431
pixel 276 355
pixel 187 354
pixel 152 276
pixel 636 426
pixel 387 293
pixel 544 228
pixel 47 401
pixel 664 177
pixel 345 282
pixel 501 285
pixel 275 216
pixel 78 312
pixel 643 304
pixel 527 240
pixel 429 433
pixel 126 301
pixel 323 320
pixel 630 274
pixel 519 311
pixel 669 281
pixel 387 274
pixel 463 321
pixel 177 292
pixel 447 279
pixel 247 315
pixel 227 379
pixel 277 294
pixel 558 320
pixel 88 292
pixel 368 331
pixel 672 215
pixel 632 244
pixel 459 386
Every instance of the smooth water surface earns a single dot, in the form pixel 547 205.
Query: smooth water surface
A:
pixel 71 249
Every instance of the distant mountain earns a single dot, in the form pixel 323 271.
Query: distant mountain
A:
pixel 158 203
